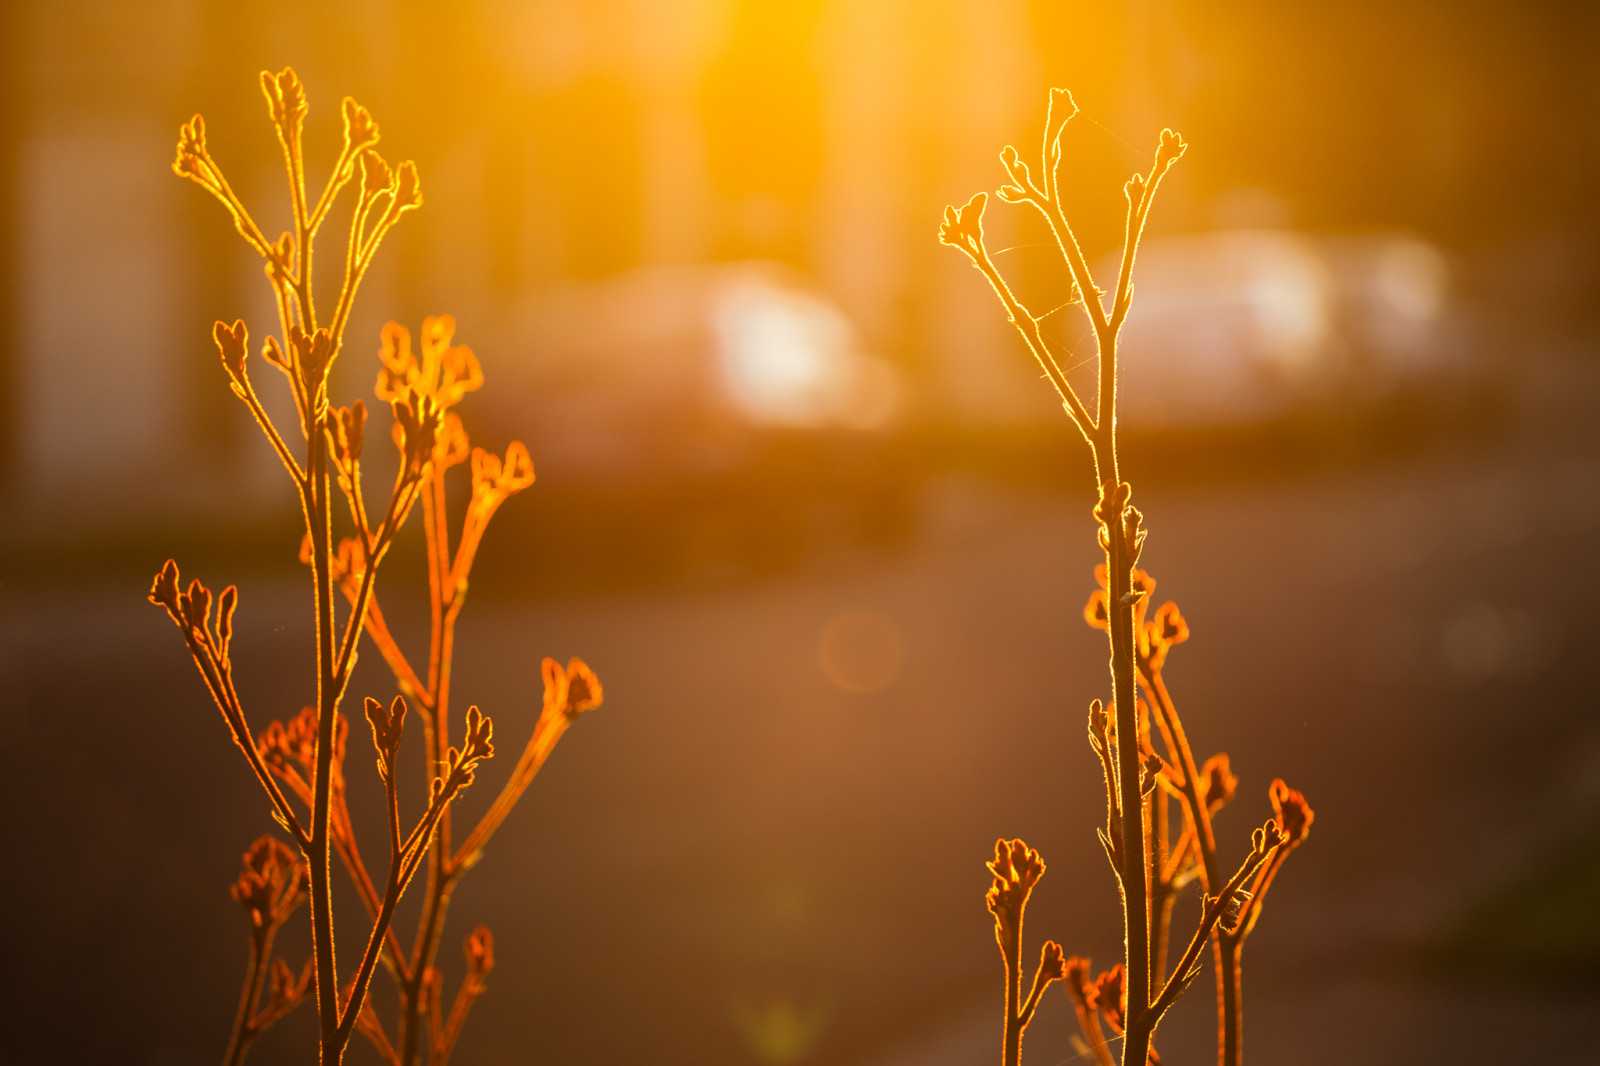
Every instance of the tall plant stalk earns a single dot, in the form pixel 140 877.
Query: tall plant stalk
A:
pixel 300 763
pixel 1149 867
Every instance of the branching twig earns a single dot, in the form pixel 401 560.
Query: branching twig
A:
pixel 1149 866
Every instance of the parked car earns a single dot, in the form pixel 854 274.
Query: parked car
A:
pixel 1247 327
pixel 714 411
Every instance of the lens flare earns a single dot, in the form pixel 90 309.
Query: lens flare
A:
pixel 861 651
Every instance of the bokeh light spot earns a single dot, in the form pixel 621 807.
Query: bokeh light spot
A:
pixel 861 651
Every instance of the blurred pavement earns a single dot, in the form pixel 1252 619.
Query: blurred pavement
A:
pixel 735 853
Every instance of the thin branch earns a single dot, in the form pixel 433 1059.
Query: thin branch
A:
pixel 213 672
pixel 247 393
pixel 1266 841
pixel 1028 326
pixel 548 730
pixel 1195 808
pixel 378 631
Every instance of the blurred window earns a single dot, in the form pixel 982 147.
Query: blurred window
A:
pixel 589 144
pixel 762 107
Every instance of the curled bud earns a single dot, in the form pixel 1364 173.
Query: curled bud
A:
pixel 1153 764
pixel 1099 721
pixel 1016 869
pixel 494 479
pixel 407 188
pixel 399 365
pixel 285 746
pixel 284 985
pixel 450 370
pixel 274 354
pixel 1169 627
pixel 1266 838
pixel 280 258
pixel 1217 782
pixel 1108 997
pixel 479 949
pixel 376 177
pixel 196 606
pixel 226 603
pixel 416 428
pixel 480 734
pixel 1018 170
pixel 347 435
pixel 583 688
pixel 387 728
pixel 1094 612
pixel 191 159
pixel 1052 967
pixel 1079 987
pixel 286 101
pixel 445 372
pixel 164 589
pixel 963 226
pixel 233 342
pixel 570 690
pixel 1058 113
pixel 1294 814
pixel 271 883
pixel 1113 498
pixel 1171 148
pixel 1132 535
pixel 1140 583
pixel 359 129
pixel 451 446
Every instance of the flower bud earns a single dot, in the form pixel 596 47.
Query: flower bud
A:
pixel 164 589
pixel 376 177
pixel 1171 148
pixel 1108 993
pixel 1217 782
pixel 1293 813
pixel 233 342
pixel 963 226
pixel 1052 967
pixel 407 188
pixel 359 129
pixel 479 949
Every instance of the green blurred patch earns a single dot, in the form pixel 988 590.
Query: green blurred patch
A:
pixel 1541 926
pixel 779 1029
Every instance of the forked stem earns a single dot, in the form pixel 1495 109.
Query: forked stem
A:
pixel 1120 533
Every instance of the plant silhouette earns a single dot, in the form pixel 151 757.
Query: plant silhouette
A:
pixel 1132 997
pixel 300 762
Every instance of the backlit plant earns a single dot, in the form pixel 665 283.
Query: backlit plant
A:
pixel 1150 867
pixel 300 762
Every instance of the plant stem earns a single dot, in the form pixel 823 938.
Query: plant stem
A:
pixel 441 645
pixel 1194 803
pixel 1135 892
pixel 243 1031
pixel 428 938
pixel 1011 1053
pixel 320 527
pixel 1119 611
pixel 1230 1005
pixel 1161 898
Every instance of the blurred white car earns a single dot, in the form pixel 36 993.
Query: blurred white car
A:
pixel 675 371
pixel 729 409
pixel 1251 326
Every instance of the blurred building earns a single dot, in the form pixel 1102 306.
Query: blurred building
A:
pixel 562 145
pixel 567 144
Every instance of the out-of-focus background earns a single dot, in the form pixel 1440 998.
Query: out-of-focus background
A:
pixel 804 504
